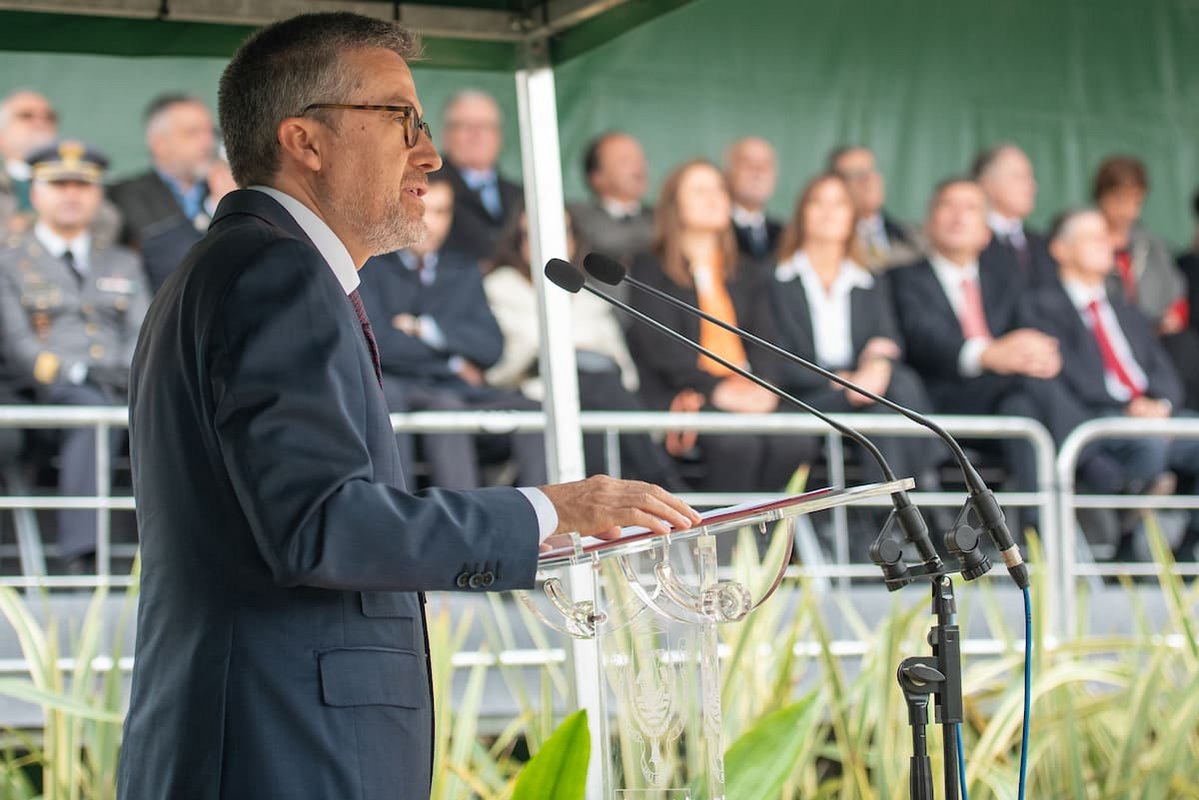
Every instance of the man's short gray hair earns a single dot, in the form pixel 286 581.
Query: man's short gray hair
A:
pixel 284 68
pixel 466 95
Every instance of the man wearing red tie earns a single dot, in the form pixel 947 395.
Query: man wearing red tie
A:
pixel 1112 361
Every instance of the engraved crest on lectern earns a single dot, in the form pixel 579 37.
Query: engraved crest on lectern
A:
pixel 650 685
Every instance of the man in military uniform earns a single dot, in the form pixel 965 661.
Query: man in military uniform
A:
pixel 69 317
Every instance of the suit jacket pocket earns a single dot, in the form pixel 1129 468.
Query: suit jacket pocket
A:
pixel 373 676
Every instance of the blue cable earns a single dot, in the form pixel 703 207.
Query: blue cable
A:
pixel 961 764
pixel 1027 690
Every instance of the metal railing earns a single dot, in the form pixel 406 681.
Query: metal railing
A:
pixel 1077 561
pixel 1054 497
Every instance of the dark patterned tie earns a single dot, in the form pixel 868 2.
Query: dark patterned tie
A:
pixel 360 310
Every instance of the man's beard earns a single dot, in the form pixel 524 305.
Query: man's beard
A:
pixel 391 228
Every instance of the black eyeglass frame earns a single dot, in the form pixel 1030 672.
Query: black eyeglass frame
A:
pixel 413 124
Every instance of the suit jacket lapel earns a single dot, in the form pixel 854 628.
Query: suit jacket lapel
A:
pixel 860 318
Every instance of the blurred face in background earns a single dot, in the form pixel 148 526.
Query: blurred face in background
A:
pixel 1010 184
pixel 1084 248
pixel 865 182
pixel 704 203
pixel 473 134
pixel 66 207
pixel 957 222
pixel 182 141
pixel 752 171
pixel 1122 205
pixel 439 215
pixel 622 174
pixel 27 122
pixel 828 214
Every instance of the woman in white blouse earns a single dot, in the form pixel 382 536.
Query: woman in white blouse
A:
pixel 607 376
pixel 833 311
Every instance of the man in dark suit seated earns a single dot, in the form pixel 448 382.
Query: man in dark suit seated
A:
pixel 69 315
pixel 164 208
pixel 959 317
pixel 751 167
pixel 282 650
pixel 1005 174
pixel 484 201
pixel 884 241
pixel 436 337
pixel 614 222
pixel 1113 364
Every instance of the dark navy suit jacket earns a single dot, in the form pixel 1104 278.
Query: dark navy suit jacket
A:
pixel 454 299
pixel 281 649
pixel 1050 309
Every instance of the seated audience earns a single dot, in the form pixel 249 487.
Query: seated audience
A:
pixel 1005 174
pixel 165 208
pixel 1146 274
pixel 959 321
pixel 1113 364
pixel 607 376
pixel 436 336
pixel 70 312
pixel 695 259
pixel 751 166
pixel 832 311
pixel 615 221
pixel 883 241
pixel 29 123
pixel 484 201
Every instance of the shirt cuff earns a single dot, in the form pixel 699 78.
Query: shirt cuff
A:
pixel 547 515
pixel 430 332
pixel 970 357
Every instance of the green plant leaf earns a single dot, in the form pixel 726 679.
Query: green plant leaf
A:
pixel 559 770
pixel 22 689
pixel 759 763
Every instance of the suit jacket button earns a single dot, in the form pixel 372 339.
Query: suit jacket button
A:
pixel 462 580
pixel 476 581
pixel 488 578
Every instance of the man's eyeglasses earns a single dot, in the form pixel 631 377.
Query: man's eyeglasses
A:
pixel 405 115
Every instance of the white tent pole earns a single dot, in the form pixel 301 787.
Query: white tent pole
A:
pixel 563 438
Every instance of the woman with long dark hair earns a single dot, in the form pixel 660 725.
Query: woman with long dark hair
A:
pixel 833 311
pixel 695 259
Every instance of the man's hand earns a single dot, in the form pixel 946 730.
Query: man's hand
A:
pixel 1023 352
pixel 406 323
pixel 875 376
pixel 1148 408
pixel 600 506
pixel 470 373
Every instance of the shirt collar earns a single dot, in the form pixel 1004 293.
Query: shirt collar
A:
pixel 331 248
pixel 475 178
pixel 950 272
pixel 18 170
pixel 1007 226
pixel 618 209
pixel 872 224
pixel 1082 295
pixel 57 246
pixel 850 277
pixel 746 218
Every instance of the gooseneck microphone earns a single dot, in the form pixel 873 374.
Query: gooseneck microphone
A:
pixel 610 271
pixel 896 573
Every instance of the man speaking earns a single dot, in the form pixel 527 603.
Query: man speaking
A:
pixel 282 650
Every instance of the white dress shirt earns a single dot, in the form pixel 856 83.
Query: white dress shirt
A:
pixel 18 170
pixel 80 246
pixel 1011 229
pixel 832 329
pixel 950 276
pixel 617 209
pixel 744 218
pixel 337 256
pixel 1082 296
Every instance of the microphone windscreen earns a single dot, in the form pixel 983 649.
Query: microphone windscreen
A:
pixel 564 275
pixel 604 269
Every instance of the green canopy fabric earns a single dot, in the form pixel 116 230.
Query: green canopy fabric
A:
pixel 492 35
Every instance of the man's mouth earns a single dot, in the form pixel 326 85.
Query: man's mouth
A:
pixel 418 191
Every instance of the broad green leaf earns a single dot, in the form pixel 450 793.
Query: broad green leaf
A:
pixel 759 762
pixel 559 770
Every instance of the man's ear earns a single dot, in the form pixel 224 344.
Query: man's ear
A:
pixel 301 140
pixel 1056 247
